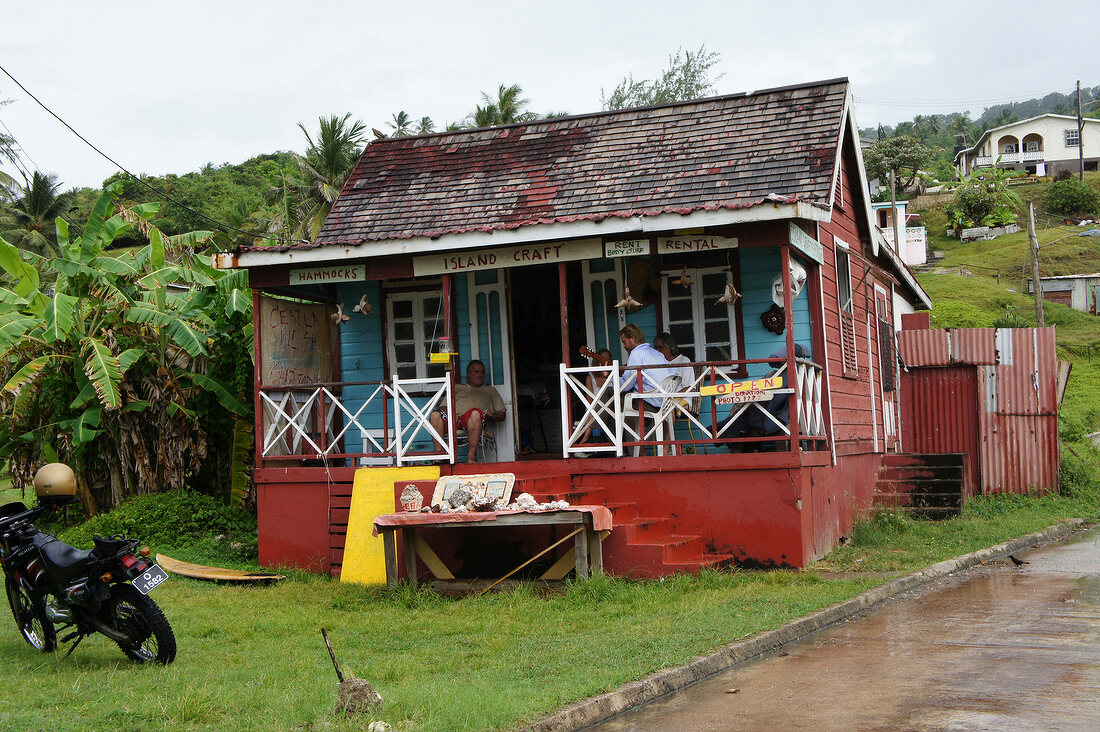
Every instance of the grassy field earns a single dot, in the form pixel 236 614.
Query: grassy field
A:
pixel 252 657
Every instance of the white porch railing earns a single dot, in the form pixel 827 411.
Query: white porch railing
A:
pixel 391 419
pixel 601 407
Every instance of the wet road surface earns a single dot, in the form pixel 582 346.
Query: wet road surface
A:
pixel 994 648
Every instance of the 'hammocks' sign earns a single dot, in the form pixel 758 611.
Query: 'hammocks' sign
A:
pixel 475 259
pixel 313 275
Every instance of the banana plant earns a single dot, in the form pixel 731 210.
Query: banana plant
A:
pixel 100 366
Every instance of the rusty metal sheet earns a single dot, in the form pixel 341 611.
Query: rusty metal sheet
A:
pixel 973 345
pixel 1019 453
pixel 924 347
pixel 940 413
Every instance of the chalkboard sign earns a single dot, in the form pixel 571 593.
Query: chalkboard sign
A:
pixel 295 342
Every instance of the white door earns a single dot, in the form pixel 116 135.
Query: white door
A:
pixel 602 289
pixel 489 343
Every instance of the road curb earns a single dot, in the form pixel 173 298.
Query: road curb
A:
pixel 597 709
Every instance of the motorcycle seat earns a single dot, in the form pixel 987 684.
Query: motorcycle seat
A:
pixel 65 561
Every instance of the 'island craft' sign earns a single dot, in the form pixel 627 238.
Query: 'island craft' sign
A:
pixel 739 392
pixel 476 259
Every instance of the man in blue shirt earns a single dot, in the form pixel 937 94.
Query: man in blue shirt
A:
pixel 642 354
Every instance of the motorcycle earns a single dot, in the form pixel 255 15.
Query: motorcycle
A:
pixel 51 585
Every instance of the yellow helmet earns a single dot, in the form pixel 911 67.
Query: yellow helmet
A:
pixel 54 480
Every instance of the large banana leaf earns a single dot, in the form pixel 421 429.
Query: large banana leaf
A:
pixel 30 371
pixel 96 220
pixel 148 314
pixel 186 337
pixel 242 459
pixel 114 265
pixel 8 297
pixel 103 370
pixel 26 276
pixel 227 400
pixel 113 227
pixel 59 317
pixel 238 301
pixel 13 327
pixel 84 427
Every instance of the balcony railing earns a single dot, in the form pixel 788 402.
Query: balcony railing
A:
pixel 388 422
pixel 987 161
pixel 914 235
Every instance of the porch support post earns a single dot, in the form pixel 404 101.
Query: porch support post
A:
pixel 788 313
pixel 563 294
pixel 257 371
pixel 448 319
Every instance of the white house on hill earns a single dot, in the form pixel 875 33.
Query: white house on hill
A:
pixel 1041 145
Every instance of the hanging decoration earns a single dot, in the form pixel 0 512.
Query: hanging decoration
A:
pixel 730 296
pixel 627 301
pixel 338 317
pixel 774 319
pixel 364 306
pixel 684 281
pixel 798 281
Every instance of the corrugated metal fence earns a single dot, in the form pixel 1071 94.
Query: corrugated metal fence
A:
pixel 991 393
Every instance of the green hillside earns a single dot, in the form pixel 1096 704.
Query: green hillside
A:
pixel 966 293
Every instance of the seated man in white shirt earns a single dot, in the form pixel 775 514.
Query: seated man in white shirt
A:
pixel 642 354
pixel 476 404
pixel 670 349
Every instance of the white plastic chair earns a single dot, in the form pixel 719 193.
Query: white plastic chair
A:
pixel 668 392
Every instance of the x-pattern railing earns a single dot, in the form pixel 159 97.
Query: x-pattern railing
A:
pixel 601 407
pixel 432 394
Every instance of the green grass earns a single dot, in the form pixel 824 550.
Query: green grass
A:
pixel 252 657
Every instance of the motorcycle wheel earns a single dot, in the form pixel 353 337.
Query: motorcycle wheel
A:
pixel 138 617
pixel 30 615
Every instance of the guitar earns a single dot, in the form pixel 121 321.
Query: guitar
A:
pixel 589 353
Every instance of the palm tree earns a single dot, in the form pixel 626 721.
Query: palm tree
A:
pixel 426 126
pixel 35 208
pixel 325 168
pixel 506 108
pixel 401 125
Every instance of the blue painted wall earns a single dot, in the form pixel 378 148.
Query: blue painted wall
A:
pixel 361 359
pixel 758 267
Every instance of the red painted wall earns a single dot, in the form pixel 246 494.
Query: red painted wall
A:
pixel 293 511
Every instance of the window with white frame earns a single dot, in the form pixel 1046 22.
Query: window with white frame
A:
pixel 1009 148
pixel 705 329
pixel 846 308
pixel 415 322
pixel 1073 138
pixel 1031 146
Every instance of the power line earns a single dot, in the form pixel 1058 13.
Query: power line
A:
pixel 961 102
pixel 162 194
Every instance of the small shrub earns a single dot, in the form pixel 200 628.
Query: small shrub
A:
pixel 178 519
pixel 1010 318
pixel 1063 174
pixel 1072 196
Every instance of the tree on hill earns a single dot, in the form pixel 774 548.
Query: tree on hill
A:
pixel 324 169
pixel 33 210
pixel 688 76
pixel 902 155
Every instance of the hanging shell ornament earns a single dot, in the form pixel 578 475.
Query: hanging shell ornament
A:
pixel 338 317
pixel 627 301
pixel 684 280
pixel 364 306
pixel 730 296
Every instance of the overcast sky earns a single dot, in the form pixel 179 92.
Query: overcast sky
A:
pixel 165 87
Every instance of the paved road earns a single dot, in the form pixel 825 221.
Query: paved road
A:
pixel 994 648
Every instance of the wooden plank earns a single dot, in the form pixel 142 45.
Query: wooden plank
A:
pixel 580 545
pixel 408 538
pixel 562 567
pixel 201 571
pixel 389 543
pixel 595 550
pixel 431 560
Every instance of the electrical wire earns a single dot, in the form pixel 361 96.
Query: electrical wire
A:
pixel 961 102
pixel 162 194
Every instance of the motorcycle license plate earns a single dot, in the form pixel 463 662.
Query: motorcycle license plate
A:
pixel 150 578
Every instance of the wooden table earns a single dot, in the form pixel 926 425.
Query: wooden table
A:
pixel 592 524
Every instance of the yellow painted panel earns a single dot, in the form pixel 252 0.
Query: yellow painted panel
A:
pixel 372 495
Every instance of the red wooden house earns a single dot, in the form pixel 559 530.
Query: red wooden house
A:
pixel 740 224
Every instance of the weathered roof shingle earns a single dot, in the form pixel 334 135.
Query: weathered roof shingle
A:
pixel 724 152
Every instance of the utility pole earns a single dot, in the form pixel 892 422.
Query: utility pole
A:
pixel 1033 238
pixel 1080 136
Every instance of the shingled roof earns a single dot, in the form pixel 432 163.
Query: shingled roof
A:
pixel 729 152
